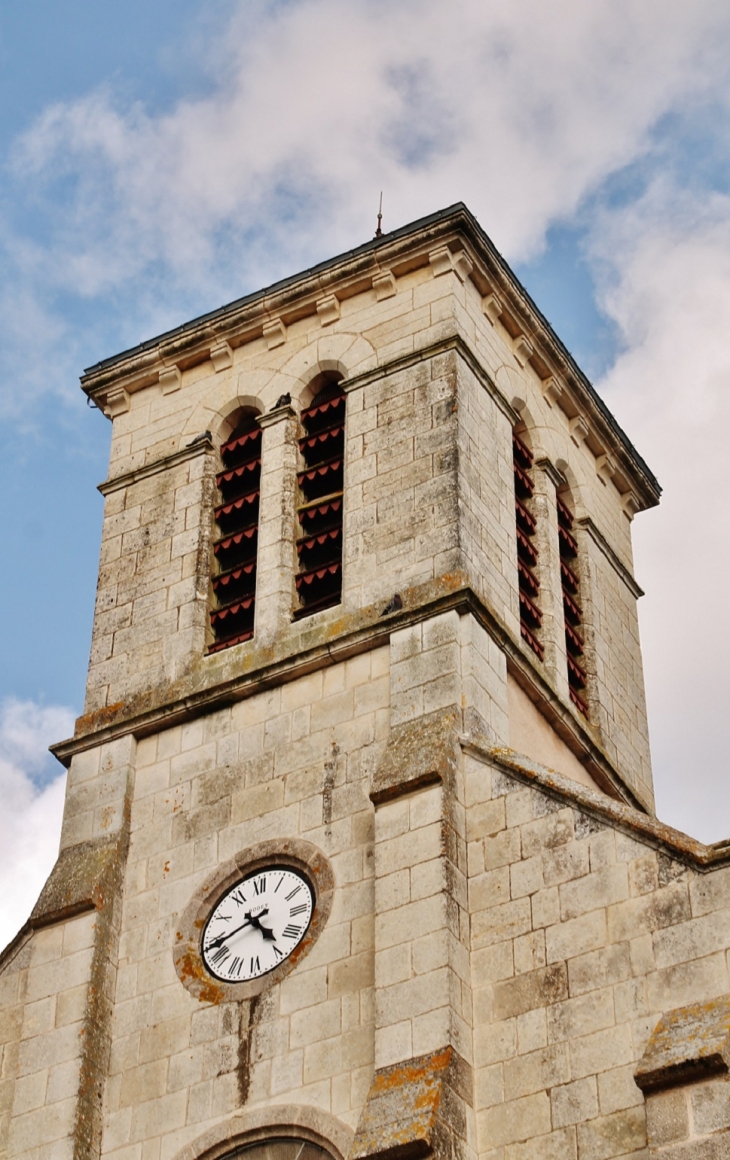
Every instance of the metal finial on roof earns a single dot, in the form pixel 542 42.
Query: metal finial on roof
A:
pixel 379 232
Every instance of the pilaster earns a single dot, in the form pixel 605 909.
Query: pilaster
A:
pixel 544 506
pixel 277 523
pixel 423 1017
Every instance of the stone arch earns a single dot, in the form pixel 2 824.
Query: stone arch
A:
pixel 343 354
pixel 571 489
pixel 259 1125
pixel 218 414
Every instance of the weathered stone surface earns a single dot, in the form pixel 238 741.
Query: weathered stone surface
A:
pixel 689 1043
pixel 495 936
pixel 418 753
pixel 413 1107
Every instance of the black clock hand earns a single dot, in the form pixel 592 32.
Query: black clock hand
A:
pixel 266 931
pixel 216 942
pixel 251 920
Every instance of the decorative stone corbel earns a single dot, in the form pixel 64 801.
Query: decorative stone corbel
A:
pixel 441 261
pixel 170 379
pixel 115 402
pixel 328 310
pixel 463 265
pixel 523 350
pixel 578 430
pixel 384 285
pixel 605 468
pixel 551 391
pixel 492 307
pixel 221 355
pixel 630 504
pixel 275 332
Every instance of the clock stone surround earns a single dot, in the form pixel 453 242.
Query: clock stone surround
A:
pixel 300 856
pixel 507 936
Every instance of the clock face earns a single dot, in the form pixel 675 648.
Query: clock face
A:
pixel 257 924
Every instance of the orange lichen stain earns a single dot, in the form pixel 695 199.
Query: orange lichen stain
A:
pixel 96 720
pixel 166 869
pixel 107 817
pixel 191 969
pixel 407 1074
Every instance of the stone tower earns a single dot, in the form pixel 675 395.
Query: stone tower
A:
pixel 366 630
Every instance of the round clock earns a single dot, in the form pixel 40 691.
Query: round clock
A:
pixel 257 924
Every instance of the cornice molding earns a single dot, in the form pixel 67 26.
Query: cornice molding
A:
pixel 473 256
pixel 364 630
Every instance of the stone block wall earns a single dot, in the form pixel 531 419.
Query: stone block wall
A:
pixel 586 929
pixel 501 945
pixel 152 594
pixel 44 997
pixel 436 380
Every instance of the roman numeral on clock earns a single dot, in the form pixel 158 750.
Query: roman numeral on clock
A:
pixel 291 893
pixel 235 965
pixel 298 909
pixel 255 965
pixel 238 897
pixel 260 886
pixel 220 955
pixel 291 931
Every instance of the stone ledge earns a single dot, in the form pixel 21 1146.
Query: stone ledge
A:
pixel 78 881
pixel 639 825
pixel 225 678
pixel 199 446
pixel 418 753
pixel 687 1044
pixel 413 1108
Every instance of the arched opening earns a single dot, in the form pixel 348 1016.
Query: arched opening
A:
pixel 281 1148
pixel 235 550
pixel 527 552
pixel 572 610
pixel 320 507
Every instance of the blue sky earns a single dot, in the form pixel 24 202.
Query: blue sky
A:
pixel 159 159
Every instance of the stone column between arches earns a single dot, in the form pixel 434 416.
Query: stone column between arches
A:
pixel 545 507
pixel 277 524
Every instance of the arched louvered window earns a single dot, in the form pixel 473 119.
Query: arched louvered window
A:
pixel 574 643
pixel 319 546
pixel 527 554
pixel 235 549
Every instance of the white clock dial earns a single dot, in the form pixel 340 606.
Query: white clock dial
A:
pixel 257 924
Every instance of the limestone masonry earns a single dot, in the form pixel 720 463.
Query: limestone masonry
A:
pixel 366 611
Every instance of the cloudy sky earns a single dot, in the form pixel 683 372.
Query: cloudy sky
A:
pixel 158 159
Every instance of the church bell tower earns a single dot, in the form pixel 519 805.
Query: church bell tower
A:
pixel 359 856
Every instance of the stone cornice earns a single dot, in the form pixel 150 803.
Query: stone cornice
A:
pixel 360 632
pixel 619 567
pixel 475 257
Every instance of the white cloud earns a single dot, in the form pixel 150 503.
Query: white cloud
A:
pixel 519 111
pixel 32 793
pixel 670 256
